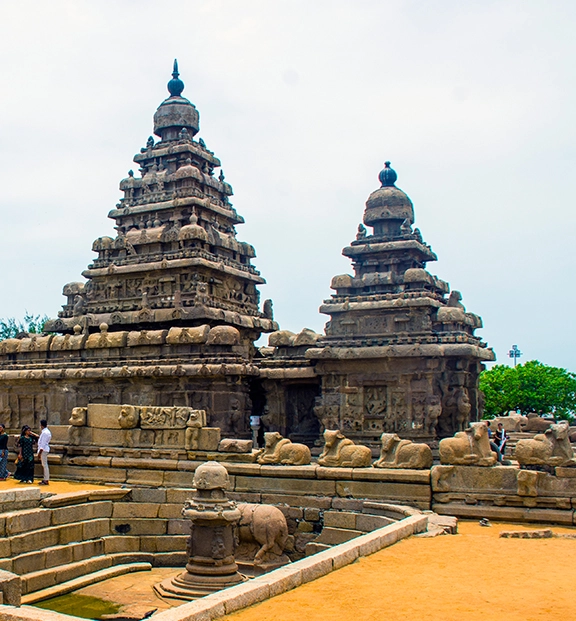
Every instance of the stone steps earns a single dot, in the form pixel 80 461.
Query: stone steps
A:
pixel 54 576
pixel 342 526
pixel 83 581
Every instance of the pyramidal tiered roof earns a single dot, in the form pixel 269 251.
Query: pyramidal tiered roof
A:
pixel 392 299
pixel 175 259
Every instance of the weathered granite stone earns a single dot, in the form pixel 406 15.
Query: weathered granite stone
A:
pixel 551 448
pixel 397 453
pixel 279 450
pixel 231 445
pixel 470 447
pixel 340 451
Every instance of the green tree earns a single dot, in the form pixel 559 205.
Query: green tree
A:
pixel 529 387
pixel 33 324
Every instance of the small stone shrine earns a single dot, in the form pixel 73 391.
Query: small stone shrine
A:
pixel 211 565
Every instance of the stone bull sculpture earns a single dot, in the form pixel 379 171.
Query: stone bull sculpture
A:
pixel 398 453
pixel 266 526
pixel 339 451
pixel 470 447
pixel 551 448
pixel 279 450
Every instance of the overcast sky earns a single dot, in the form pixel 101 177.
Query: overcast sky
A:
pixel 473 103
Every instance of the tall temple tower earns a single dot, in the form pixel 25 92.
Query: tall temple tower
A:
pixel 399 354
pixel 175 260
pixel 169 311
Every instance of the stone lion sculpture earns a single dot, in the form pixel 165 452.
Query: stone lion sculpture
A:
pixel 339 451
pixel 279 450
pixel 470 447
pixel 398 453
pixel 77 420
pixel 266 526
pixel 551 448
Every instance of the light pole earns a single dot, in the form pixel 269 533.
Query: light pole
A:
pixel 514 353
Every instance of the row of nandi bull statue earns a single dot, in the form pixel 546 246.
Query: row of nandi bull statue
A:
pixel 470 447
pixel 341 452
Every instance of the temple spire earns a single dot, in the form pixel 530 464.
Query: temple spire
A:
pixel 175 86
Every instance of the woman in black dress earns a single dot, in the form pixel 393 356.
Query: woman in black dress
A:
pixel 25 468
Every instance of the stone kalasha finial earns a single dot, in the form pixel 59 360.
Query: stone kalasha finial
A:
pixel 175 86
pixel 387 176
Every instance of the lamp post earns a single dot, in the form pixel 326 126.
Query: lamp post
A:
pixel 514 353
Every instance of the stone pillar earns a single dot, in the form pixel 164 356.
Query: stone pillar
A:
pixel 212 543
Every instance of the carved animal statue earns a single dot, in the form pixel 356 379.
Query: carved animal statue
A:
pixel 551 448
pixel 266 525
pixel 534 422
pixel 470 447
pixel 512 422
pixel 339 451
pixel 279 450
pixel 398 453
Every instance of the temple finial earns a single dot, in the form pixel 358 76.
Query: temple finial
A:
pixel 387 176
pixel 175 86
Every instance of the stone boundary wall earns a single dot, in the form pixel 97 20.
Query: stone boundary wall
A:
pixel 259 589
pixel 256 483
pixel 505 493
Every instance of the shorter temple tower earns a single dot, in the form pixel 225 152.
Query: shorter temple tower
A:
pixel 399 354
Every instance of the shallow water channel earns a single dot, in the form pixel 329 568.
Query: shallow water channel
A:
pixel 84 606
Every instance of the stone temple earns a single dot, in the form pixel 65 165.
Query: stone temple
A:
pixel 168 313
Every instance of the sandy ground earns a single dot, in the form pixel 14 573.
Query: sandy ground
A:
pixel 56 487
pixel 472 576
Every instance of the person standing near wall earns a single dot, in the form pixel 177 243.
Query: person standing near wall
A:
pixel 43 450
pixel 4 474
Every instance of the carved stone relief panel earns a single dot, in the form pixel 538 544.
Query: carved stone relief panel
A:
pixel 376 411
pixel 352 408
pixel 418 403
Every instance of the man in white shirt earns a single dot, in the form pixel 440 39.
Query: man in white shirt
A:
pixel 44 449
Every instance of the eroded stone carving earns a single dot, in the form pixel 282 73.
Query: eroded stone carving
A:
pixel 470 447
pixel 128 417
pixel 163 417
pixel 339 451
pixel 534 422
pixel 195 422
pixel 267 526
pixel 211 565
pixel 398 453
pixel 77 421
pixel 551 448
pixel 279 450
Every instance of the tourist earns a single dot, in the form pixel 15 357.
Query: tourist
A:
pixel 493 444
pixel 501 438
pixel 4 474
pixel 25 463
pixel 43 450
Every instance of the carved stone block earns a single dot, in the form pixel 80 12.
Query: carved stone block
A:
pixel 231 445
pixel 209 439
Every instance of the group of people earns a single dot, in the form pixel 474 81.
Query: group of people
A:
pixel 26 453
